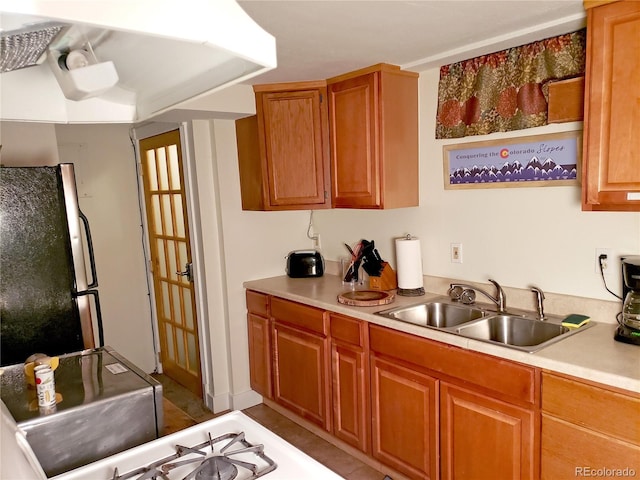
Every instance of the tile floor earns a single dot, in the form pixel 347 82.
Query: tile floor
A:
pixel 184 409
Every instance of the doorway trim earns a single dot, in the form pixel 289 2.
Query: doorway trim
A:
pixel 193 212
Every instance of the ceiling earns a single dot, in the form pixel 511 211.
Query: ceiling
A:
pixel 320 39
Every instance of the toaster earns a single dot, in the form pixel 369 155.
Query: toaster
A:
pixel 305 263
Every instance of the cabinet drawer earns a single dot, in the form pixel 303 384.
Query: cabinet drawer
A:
pixel 512 380
pixel 309 318
pixel 570 451
pixel 347 330
pixel 610 412
pixel 258 303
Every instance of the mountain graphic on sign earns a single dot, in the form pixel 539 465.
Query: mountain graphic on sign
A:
pixel 534 170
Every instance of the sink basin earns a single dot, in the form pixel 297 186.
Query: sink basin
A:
pixel 434 314
pixel 518 332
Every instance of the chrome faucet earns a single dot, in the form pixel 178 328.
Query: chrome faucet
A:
pixel 456 290
pixel 539 299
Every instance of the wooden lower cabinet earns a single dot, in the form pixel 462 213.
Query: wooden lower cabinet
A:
pixel 572 451
pixel 483 438
pixel 588 430
pixel 350 382
pixel 440 411
pixel 405 419
pixel 301 362
pixel 259 333
pixel 260 354
pixel 428 410
pixel 301 383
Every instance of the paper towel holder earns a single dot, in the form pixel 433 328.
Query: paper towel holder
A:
pixel 410 292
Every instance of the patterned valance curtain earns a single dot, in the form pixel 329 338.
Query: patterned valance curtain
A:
pixel 505 90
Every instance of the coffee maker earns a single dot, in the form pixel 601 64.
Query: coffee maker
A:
pixel 628 330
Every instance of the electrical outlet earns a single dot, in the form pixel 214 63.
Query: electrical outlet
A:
pixel 456 253
pixel 316 241
pixel 607 263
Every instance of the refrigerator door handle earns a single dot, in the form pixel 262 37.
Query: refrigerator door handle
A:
pixel 92 261
pixel 96 299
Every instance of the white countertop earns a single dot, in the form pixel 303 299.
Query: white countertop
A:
pixel 592 354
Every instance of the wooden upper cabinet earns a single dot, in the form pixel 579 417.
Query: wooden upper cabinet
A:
pixel 611 172
pixel 373 122
pixel 283 151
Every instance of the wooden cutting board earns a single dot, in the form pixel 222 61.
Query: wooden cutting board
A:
pixel 366 298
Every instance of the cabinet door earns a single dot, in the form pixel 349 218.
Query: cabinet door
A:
pixel 353 121
pixel 260 354
pixel 350 419
pixel 373 123
pixel 350 381
pixel 485 438
pixel 292 128
pixel 405 424
pixel 611 178
pixel 301 373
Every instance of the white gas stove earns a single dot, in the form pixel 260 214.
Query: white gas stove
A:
pixel 230 447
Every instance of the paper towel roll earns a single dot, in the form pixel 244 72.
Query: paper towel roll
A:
pixel 409 263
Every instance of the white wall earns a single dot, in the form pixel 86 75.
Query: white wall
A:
pixel 28 144
pixel 106 175
pixel 518 236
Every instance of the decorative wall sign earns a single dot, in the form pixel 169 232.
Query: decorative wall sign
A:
pixel 531 161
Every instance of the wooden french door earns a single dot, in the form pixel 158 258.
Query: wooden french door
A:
pixel 171 266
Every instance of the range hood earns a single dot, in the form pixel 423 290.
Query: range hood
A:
pixel 110 61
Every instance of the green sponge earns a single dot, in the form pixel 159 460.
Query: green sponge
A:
pixel 575 320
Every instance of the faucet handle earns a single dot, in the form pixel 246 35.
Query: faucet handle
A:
pixel 468 296
pixel 540 301
pixel 455 292
pixel 537 291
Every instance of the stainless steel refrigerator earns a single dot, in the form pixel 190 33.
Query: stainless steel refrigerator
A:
pixel 47 303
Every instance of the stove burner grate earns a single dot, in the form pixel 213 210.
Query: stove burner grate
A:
pixel 209 464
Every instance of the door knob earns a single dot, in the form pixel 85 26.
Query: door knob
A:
pixel 187 272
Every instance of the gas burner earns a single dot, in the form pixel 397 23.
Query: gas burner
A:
pixel 226 457
pixel 213 469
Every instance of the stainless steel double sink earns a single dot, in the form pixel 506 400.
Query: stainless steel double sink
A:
pixel 518 331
